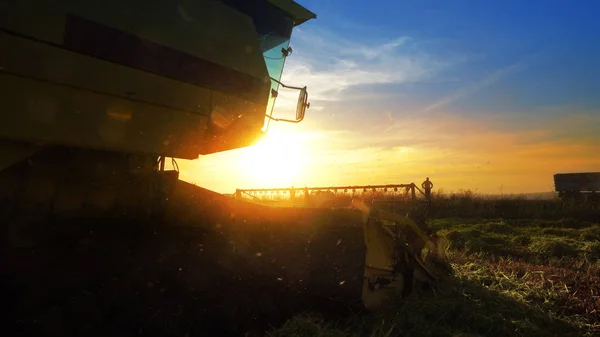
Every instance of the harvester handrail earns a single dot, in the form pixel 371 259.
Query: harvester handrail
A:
pixel 355 187
pixel 418 189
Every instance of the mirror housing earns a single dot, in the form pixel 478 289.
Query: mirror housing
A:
pixel 301 106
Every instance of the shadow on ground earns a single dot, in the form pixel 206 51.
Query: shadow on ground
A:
pixel 105 278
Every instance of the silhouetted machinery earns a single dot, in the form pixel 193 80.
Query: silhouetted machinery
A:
pixel 96 95
pixel 578 187
pixel 104 91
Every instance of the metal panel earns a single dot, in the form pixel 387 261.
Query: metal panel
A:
pixel 29 58
pixel 208 30
pixel 44 112
pixel 297 11
pixel 585 181
pixel 93 39
pixel 33 18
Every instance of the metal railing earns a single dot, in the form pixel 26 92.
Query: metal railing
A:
pixel 292 194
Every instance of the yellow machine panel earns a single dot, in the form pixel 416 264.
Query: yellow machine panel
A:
pixel 161 78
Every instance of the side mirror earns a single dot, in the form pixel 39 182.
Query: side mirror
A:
pixel 302 104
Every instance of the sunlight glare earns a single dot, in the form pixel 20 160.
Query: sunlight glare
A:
pixel 277 161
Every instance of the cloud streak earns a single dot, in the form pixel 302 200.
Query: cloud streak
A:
pixel 472 88
pixel 487 81
pixel 330 64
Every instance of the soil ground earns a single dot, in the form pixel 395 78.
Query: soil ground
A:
pixel 217 276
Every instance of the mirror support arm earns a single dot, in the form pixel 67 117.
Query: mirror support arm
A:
pixel 286 86
pixel 304 105
pixel 285 120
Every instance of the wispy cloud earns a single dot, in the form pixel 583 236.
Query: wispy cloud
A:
pixel 487 81
pixel 472 88
pixel 329 64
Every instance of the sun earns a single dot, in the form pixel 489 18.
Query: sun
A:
pixel 278 160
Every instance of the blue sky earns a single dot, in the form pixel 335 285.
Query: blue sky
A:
pixel 476 94
pixel 554 45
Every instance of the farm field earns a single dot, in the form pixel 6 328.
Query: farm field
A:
pixel 517 277
pixel 239 269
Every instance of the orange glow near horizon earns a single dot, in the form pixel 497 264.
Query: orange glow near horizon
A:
pixel 456 154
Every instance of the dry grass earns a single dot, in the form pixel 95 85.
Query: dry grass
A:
pixel 513 278
pixel 465 204
pixel 469 204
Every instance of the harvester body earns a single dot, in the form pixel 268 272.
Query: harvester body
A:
pixel 176 79
pixel 95 97
pixel 104 92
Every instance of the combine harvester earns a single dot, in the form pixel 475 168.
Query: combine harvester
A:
pixel 96 95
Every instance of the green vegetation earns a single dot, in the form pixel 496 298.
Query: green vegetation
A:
pixel 512 278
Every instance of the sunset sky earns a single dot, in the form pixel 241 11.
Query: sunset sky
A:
pixel 484 95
